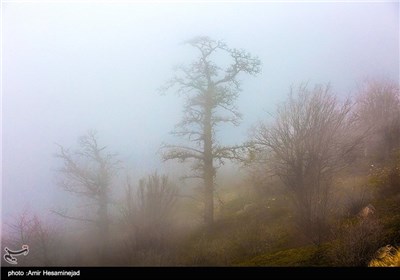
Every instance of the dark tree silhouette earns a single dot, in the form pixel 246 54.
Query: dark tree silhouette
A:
pixel 210 91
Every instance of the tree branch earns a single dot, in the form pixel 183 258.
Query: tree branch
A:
pixel 73 218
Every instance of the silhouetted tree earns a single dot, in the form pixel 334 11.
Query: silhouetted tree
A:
pixel 210 91
pixel 87 172
pixel 307 144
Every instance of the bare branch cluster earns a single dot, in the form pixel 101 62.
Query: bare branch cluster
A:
pixel 88 171
pixel 208 87
pixel 148 213
pixel 29 229
pixel 378 111
pixel 309 141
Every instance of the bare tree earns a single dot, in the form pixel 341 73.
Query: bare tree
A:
pixel 210 91
pixel 87 173
pixel 29 229
pixel 307 144
pixel 378 109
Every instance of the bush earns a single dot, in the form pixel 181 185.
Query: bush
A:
pixel 356 199
pixel 148 217
pixel 386 179
pixel 356 242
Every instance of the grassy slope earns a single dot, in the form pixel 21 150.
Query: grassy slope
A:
pixel 249 233
pixel 303 256
pixel 387 211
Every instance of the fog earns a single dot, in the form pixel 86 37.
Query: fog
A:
pixel 72 67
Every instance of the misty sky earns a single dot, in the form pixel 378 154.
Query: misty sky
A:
pixel 70 67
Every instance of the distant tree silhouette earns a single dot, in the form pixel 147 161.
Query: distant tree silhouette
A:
pixel 87 172
pixel 378 109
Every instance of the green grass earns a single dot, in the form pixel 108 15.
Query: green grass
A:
pixel 303 256
pixel 388 212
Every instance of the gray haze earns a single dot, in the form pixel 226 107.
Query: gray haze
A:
pixel 70 67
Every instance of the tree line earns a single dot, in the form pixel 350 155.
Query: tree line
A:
pixel 311 138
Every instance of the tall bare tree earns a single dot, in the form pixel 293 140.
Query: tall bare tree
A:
pixel 307 143
pixel 87 173
pixel 210 91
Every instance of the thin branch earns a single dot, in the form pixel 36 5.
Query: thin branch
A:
pixel 73 218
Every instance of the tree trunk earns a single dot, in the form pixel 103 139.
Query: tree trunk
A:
pixel 209 197
pixel 103 225
pixel 208 164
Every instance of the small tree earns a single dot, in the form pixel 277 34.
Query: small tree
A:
pixel 307 144
pixel 87 173
pixel 148 213
pixel 29 229
pixel 211 91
